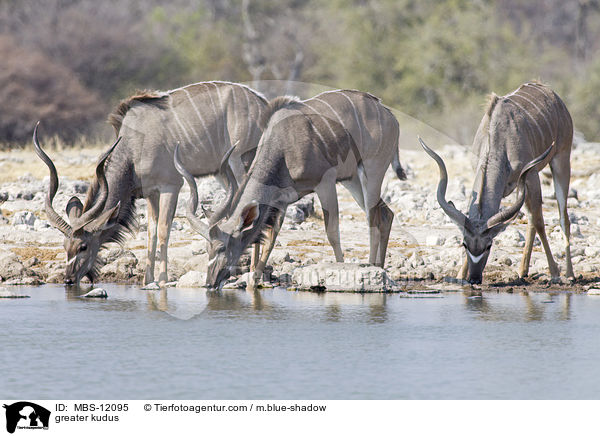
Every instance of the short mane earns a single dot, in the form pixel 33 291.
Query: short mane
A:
pixel 156 98
pixel 492 99
pixel 274 105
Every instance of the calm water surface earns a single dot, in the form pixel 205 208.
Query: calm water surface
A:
pixel 276 344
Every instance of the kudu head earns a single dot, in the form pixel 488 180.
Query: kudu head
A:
pixel 85 223
pixel 478 234
pixel 227 238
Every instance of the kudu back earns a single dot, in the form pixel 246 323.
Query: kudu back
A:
pixel 519 134
pixel 204 120
pixel 308 146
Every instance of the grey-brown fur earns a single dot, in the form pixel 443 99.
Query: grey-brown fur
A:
pixel 308 146
pixel 156 98
pixel 515 129
pixel 206 120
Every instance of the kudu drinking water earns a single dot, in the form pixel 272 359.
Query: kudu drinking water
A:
pixel 204 119
pixel 531 121
pixel 307 146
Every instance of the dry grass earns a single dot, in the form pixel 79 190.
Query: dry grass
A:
pixel 302 242
pixel 401 244
pixel 42 254
pixel 175 244
pixel 16 163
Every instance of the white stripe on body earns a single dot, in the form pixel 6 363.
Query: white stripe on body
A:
pixel 356 117
pixel 335 113
pixel 190 126
pixel 540 110
pixel 380 126
pixel 249 120
pixel 539 129
pixel 176 138
pixel 324 118
pixel 223 118
pixel 223 82
pixel 207 133
pixel 311 123
pixel 214 108
pixel 234 111
pixel 181 126
pixel 315 127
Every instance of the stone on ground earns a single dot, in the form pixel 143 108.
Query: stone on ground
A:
pixel 342 277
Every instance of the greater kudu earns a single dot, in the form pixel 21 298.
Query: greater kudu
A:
pixel 204 119
pixel 531 121
pixel 308 146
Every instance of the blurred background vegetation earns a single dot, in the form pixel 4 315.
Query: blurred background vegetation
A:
pixel 68 62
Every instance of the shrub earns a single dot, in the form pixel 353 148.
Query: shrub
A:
pixel 33 87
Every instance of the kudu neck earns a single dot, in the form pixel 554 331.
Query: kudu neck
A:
pixel 491 178
pixel 122 188
pixel 269 181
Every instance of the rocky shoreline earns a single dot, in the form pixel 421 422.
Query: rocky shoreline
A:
pixel 424 248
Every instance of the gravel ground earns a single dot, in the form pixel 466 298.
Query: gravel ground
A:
pixel 424 245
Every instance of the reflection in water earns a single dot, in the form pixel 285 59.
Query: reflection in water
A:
pixel 533 312
pixel 537 307
pixel 270 344
pixel 566 308
pixel 74 292
pixel 186 304
pixel 368 307
pixel 378 313
pixel 333 313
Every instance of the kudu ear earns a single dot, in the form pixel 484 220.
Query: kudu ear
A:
pixel 249 216
pixel 74 209
pixel 106 220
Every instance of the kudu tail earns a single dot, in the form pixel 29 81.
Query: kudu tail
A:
pixel 398 167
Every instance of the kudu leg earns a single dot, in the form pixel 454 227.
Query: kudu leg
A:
pixel 533 203
pixel 355 188
pixel 529 238
pixel 380 224
pixel 266 252
pixel 378 241
pixel 561 173
pixel 168 204
pixel 327 194
pixel 464 269
pixel 254 259
pixel 379 215
pixel 254 256
pixel 152 202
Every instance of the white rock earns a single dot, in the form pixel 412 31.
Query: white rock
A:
pixel 593 291
pixel 96 293
pixel 592 251
pixel 151 286
pixel 342 277
pixel 242 281
pixel 10 265
pixel 7 293
pixel 511 237
pixel 453 241
pixel 196 263
pixel 434 239
pixel 41 225
pixel 23 217
pixel 192 279
pixel 176 225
